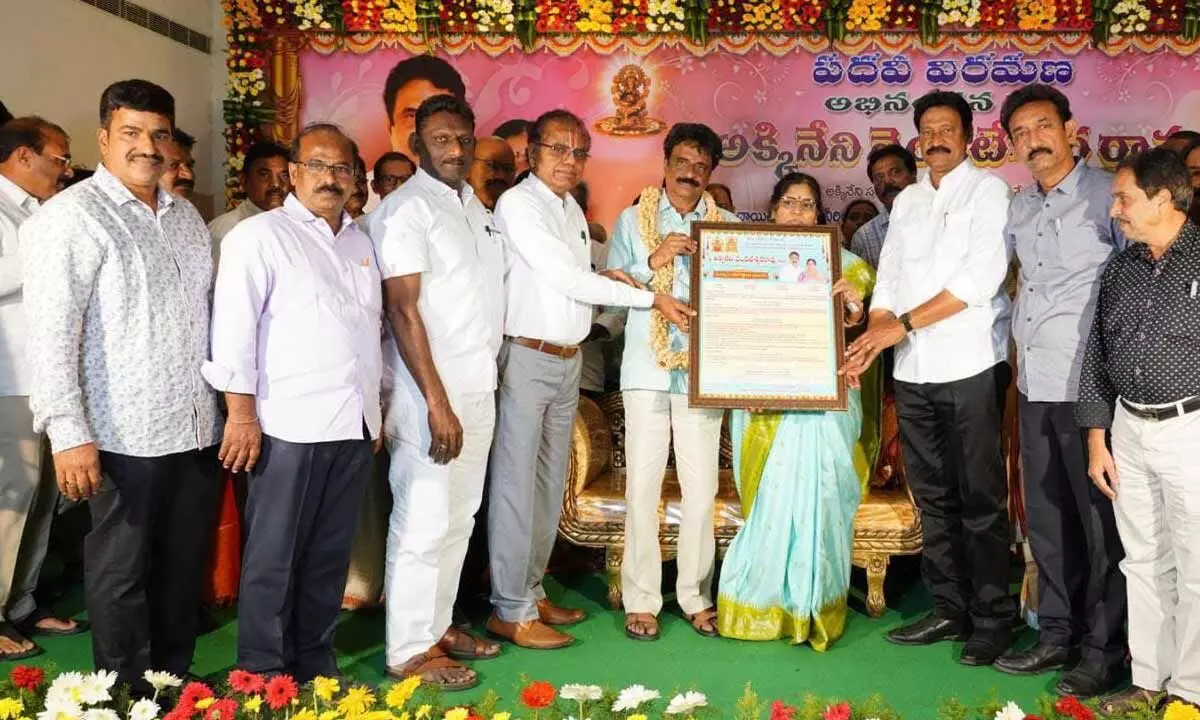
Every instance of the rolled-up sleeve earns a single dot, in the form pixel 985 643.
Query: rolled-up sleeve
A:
pixel 243 283
pixel 985 264
pixel 60 261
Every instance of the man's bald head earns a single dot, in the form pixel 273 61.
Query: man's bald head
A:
pixel 493 171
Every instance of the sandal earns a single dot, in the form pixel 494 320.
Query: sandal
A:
pixel 462 645
pixel 645 622
pixel 434 667
pixel 704 622
pixel 1131 700
pixel 29 626
pixel 11 633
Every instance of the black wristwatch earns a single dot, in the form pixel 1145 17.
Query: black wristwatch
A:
pixel 906 321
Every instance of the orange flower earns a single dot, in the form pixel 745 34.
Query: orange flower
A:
pixel 280 691
pixel 538 695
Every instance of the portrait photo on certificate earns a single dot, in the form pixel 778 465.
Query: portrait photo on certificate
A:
pixel 768 334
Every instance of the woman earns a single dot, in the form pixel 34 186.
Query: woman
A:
pixel 800 476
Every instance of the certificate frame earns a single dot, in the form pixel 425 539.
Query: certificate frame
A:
pixel 765 241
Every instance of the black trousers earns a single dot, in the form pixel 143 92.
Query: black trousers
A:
pixel 950 435
pixel 301 514
pixel 1081 591
pixel 144 560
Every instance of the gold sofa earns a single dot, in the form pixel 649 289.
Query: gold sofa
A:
pixel 593 515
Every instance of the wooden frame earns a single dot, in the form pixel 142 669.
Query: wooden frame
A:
pixel 757 232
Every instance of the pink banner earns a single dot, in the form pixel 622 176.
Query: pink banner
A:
pixel 818 113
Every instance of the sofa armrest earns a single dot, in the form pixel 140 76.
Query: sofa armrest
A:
pixel 591 447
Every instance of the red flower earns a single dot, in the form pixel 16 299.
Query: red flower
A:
pixel 193 693
pixel 1072 708
pixel 1033 717
pixel 223 709
pixel 841 711
pixel 180 712
pixel 281 689
pixel 538 695
pixel 246 683
pixel 779 711
pixel 27 678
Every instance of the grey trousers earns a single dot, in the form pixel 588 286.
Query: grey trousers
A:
pixel 28 497
pixel 535 415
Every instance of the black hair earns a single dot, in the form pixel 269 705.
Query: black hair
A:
pixel 435 70
pixel 798 178
pixel 1036 92
pixel 263 150
pixel 702 136
pixel 897 151
pixel 391 156
pixel 139 95
pixel 183 140
pixel 321 127
pixel 360 167
pixel 443 104
pixel 5 115
pixel 538 129
pixel 859 201
pixel 27 132
pixel 1161 169
pixel 582 195
pixel 947 99
pixel 1191 136
pixel 78 175
pixel 794 253
pixel 512 128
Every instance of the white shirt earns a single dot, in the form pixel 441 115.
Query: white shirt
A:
pixel 791 273
pixel 949 238
pixel 296 322
pixel 448 237
pixel 119 296
pixel 16 206
pixel 550 284
pixel 222 224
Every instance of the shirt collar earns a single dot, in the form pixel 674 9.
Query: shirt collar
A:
pixel 116 190
pixel 433 185
pixel 952 178
pixel 1189 235
pixel 296 210
pixel 665 207
pixel 547 194
pixel 17 194
pixel 1067 186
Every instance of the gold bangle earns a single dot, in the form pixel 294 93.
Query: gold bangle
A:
pixel 251 421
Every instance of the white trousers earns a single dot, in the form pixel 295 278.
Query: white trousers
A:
pixel 1158 518
pixel 651 419
pixel 433 513
pixel 27 504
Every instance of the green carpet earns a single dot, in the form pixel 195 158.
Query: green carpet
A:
pixel 862 663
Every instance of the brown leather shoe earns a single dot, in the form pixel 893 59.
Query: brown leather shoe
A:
pixel 532 634
pixel 1132 700
pixel 552 614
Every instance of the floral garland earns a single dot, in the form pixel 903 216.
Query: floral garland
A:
pixel 663 280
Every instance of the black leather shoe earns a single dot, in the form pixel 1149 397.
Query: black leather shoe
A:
pixel 1089 679
pixel 928 630
pixel 1041 658
pixel 984 647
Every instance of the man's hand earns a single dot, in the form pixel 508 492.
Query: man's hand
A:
pixel 241 444
pixel 674 310
pixel 446 433
pixel 672 245
pixel 622 277
pixel 1101 468
pixel 377 445
pixel 77 471
pixel 883 333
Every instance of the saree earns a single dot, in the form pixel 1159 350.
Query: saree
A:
pixel 800 476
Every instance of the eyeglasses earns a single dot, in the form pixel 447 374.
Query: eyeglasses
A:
pixel 803 204
pixel 680 164
pixel 63 160
pixel 340 171
pixel 942 132
pixel 561 152
pixel 392 179
pixel 500 167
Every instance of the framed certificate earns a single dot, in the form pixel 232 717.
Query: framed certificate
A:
pixel 768 333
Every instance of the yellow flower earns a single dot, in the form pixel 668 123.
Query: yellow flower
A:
pixel 305 714
pixel 456 714
pixel 506 716
pixel 423 711
pixel 329 715
pixel 636 717
pixel 402 692
pixel 11 708
pixel 1181 711
pixel 253 705
pixel 355 702
pixel 325 688
pixel 378 715
pixel 205 704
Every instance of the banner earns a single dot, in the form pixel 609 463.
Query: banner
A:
pixel 819 113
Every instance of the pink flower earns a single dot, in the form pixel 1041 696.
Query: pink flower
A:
pixel 841 711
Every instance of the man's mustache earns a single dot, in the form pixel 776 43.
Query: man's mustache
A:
pixel 890 191
pixel 688 181
pixel 185 184
pixel 1038 151
pixel 151 156
pixel 938 148
pixel 274 192
pixel 330 189
pixel 497 186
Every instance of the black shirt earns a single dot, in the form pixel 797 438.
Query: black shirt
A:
pixel 1145 339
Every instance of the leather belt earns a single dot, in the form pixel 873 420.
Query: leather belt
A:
pixel 1158 414
pixel 566 352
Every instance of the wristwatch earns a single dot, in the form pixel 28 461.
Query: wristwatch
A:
pixel 906 321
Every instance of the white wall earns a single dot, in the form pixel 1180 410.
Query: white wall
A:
pixel 59 55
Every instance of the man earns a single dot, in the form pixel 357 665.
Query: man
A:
pixel 117 275
pixel 890 168
pixel 1192 160
pixel 1180 140
pixel 266 183
pixel 793 271
pixel 35 157
pixel 1141 362
pixel 443 267
pixel 654 389
pixel 550 294
pixel 722 196
pixel 295 349
pixel 410 83
pixel 392 170
pixel 179 173
pixel 358 198
pixel 515 132
pixel 1060 229
pixel 857 213
pixel 492 171
pixel 940 298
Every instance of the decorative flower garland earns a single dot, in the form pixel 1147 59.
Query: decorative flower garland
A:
pixel 663 281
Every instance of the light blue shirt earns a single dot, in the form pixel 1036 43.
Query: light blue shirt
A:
pixel 639 364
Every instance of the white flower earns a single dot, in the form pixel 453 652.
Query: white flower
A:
pixel 144 709
pixel 689 701
pixel 633 697
pixel 59 706
pixel 1010 712
pixel 100 714
pixel 581 693
pixel 162 680
pixel 96 686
